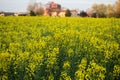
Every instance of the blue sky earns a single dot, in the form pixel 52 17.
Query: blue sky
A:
pixel 21 5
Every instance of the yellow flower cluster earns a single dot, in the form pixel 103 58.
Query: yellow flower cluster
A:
pixel 46 48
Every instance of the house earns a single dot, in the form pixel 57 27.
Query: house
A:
pixel 2 14
pixel 54 5
pixel 16 14
pixel 47 12
pixel 54 14
pixel 62 13
pixel 52 9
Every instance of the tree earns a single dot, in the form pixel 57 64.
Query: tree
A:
pixel 31 8
pixel 83 14
pixel 100 10
pixel 89 12
pixel 93 14
pixel 95 8
pixel 31 5
pixel 32 13
pixel 39 11
pixel 67 13
pixel 117 8
pixel 110 10
pixel 35 9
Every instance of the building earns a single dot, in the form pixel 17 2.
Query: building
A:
pixel 54 9
pixel 62 13
pixel 2 14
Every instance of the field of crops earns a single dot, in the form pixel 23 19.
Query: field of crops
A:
pixel 47 48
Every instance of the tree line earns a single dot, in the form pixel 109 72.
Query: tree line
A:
pixel 96 10
pixel 110 10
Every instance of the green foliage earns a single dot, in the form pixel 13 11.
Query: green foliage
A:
pixel 67 13
pixel 63 49
pixel 32 13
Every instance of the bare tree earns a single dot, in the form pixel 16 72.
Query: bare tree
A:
pixel 95 8
pixel 90 12
pixel 35 9
pixel 39 11
pixel 31 7
pixel 117 8
pixel 110 10
pixel 100 10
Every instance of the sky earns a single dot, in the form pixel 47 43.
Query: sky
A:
pixel 21 5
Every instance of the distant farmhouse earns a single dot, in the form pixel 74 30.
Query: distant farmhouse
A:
pixel 54 9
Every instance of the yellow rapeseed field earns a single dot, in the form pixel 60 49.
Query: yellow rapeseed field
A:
pixel 47 48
